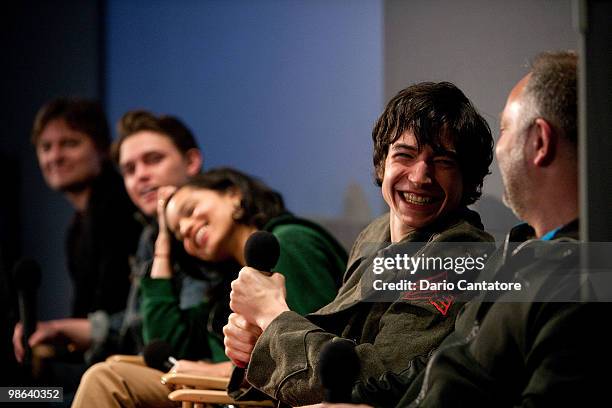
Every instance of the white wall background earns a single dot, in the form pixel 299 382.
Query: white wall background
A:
pixel 483 46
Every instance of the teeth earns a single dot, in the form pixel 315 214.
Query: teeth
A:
pixel 199 235
pixel 417 199
pixel 148 190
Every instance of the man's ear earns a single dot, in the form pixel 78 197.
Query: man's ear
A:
pixel 544 143
pixel 194 161
pixel 379 172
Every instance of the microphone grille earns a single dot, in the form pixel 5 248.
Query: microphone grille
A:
pixel 26 274
pixel 261 251
pixel 338 364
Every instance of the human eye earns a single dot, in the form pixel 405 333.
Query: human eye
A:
pixel 127 169
pixel 71 142
pixel 404 155
pixel 175 230
pixel 44 146
pixel 153 158
pixel 445 161
pixel 187 211
pixel 184 212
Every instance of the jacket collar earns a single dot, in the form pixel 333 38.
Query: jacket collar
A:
pixel 461 215
pixel 522 236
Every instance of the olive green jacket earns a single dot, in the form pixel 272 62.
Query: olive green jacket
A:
pixel 388 335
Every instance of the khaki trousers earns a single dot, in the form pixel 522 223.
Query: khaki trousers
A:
pixel 122 385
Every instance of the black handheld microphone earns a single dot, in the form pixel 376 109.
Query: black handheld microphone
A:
pixel 158 354
pixel 338 370
pixel 262 251
pixel 26 276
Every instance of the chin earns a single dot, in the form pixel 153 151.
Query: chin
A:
pixel 199 253
pixel 149 212
pixel 56 184
pixel 71 186
pixel 418 224
pixel 189 249
pixel 419 220
pixel 205 257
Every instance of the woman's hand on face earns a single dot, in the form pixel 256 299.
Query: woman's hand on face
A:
pixel 161 262
pixel 163 194
pixel 240 338
pixel 257 297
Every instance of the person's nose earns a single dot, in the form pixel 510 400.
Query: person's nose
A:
pixel 185 226
pixel 141 172
pixel 55 154
pixel 499 147
pixel 421 173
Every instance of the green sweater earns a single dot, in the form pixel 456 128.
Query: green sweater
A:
pixel 311 260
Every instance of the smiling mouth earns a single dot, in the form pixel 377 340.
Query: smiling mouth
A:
pixel 200 237
pixel 62 168
pixel 417 199
pixel 147 191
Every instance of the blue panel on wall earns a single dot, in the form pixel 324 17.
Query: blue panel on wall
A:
pixel 285 90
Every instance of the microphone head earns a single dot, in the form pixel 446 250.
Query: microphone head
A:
pixel 26 274
pixel 338 369
pixel 156 354
pixel 261 251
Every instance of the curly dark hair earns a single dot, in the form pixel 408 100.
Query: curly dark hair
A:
pixel 83 115
pixel 166 125
pixel 434 112
pixel 259 203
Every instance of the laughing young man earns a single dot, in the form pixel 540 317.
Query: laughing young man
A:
pixel 432 151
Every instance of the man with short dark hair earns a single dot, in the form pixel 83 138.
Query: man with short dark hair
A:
pixel 154 151
pixel 432 151
pixel 151 152
pixel 71 138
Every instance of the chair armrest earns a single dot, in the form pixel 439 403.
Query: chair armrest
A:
pixel 196 381
pixel 40 356
pixel 43 351
pixel 212 397
pixel 126 358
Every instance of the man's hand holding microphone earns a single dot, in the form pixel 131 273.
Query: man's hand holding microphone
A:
pixel 257 298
